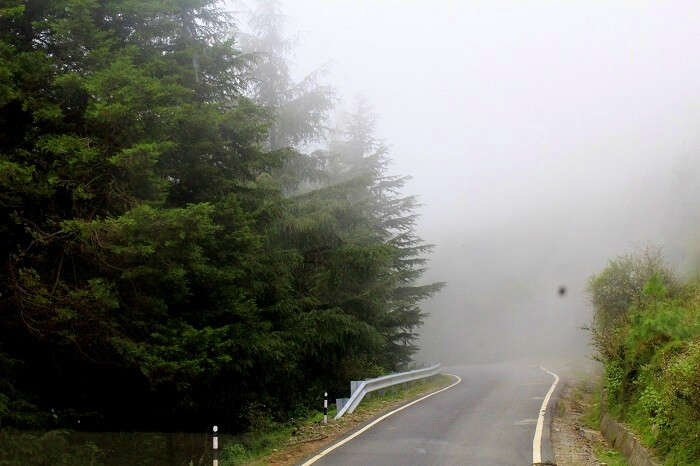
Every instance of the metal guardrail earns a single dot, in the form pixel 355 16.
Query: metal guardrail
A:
pixel 363 387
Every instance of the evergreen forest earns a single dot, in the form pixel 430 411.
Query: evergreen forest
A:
pixel 189 234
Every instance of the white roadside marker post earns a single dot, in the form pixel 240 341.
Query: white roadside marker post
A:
pixel 325 407
pixel 215 445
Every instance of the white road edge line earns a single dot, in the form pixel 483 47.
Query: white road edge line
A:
pixel 377 421
pixel 537 440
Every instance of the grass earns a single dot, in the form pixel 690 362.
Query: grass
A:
pixel 635 418
pixel 253 445
pixel 609 456
pixel 296 437
pixel 591 419
pixel 293 440
pixel 585 398
pixel 591 415
pixel 70 448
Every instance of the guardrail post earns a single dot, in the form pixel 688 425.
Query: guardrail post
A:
pixel 340 403
pixel 215 445
pixel 325 407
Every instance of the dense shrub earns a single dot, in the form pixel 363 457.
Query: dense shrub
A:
pixel 651 354
pixel 628 281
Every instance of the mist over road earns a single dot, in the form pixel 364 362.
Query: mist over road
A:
pixel 543 139
pixel 487 419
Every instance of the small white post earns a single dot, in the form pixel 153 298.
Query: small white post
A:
pixel 215 445
pixel 325 407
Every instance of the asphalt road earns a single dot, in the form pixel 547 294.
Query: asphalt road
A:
pixel 487 419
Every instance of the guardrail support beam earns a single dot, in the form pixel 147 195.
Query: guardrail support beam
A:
pixel 361 388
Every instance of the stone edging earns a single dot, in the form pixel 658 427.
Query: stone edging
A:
pixel 625 441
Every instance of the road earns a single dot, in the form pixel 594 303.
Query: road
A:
pixel 487 419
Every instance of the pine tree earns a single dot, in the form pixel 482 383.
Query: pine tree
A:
pixel 357 155
pixel 171 254
pixel 300 108
pixel 133 203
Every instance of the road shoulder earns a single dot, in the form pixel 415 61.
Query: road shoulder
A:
pixel 576 438
pixel 310 439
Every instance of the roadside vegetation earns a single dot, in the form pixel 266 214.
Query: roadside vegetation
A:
pixel 266 442
pixel 589 393
pixel 609 456
pixel 576 437
pixel 646 329
pixel 188 237
pixel 289 442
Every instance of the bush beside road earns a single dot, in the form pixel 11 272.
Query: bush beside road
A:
pixel 647 332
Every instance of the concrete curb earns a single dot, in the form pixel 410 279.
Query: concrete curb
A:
pixel 547 446
pixel 624 440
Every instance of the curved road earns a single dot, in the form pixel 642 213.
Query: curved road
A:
pixel 487 419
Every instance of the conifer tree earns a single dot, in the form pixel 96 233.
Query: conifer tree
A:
pixel 170 252
pixel 357 155
pixel 300 108
pixel 132 206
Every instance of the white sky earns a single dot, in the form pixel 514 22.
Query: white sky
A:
pixel 565 132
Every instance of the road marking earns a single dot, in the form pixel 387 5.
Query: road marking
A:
pixel 377 421
pixel 537 441
pixel 525 422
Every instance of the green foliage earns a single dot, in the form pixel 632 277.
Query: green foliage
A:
pixel 628 281
pixel 254 444
pixel 610 457
pixel 652 366
pixel 50 448
pixel 171 256
pixel 252 447
pixel 300 108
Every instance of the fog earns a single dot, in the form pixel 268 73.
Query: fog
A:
pixel 542 137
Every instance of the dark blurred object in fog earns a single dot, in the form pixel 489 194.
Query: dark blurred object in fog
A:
pixel 562 290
